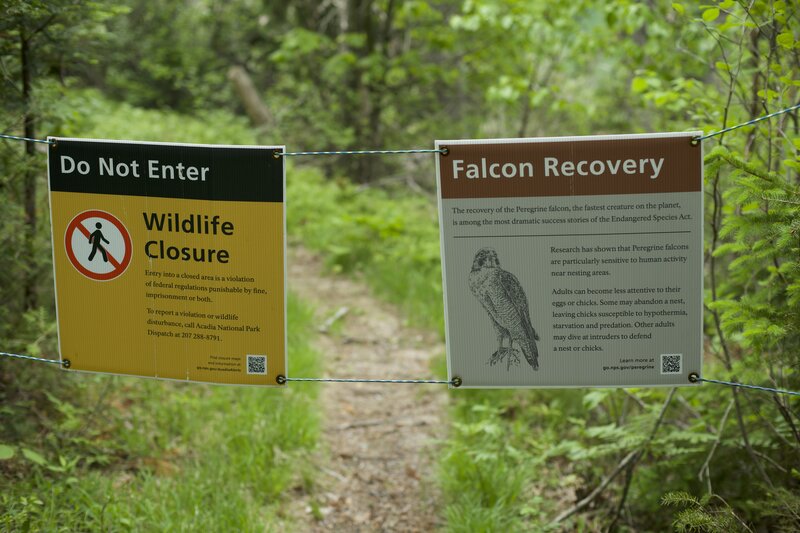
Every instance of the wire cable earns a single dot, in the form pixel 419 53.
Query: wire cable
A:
pixel 744 386
pixel 742 125
pixel 443 151
pixel 27 139
pixel 454 382
pixel 31 358
pixel 366 152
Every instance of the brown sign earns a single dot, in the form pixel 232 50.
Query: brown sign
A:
pixel 569 167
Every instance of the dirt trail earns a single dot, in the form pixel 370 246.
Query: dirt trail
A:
pixel 377 464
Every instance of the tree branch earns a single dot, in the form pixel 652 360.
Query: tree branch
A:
pixel 705 469
pixel 629 461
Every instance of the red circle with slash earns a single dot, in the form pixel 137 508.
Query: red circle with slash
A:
pixel 117 260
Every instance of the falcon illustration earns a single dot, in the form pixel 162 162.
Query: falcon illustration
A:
pixel 501 294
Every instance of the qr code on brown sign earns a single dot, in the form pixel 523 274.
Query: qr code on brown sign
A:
pixel 257 364
pixel 671 363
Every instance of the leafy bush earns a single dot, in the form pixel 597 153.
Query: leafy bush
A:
pixel 87 113
pixel 392 239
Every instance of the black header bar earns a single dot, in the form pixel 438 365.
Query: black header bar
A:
pixel 198 172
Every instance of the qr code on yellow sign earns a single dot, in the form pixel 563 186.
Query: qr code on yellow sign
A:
pixel 257 364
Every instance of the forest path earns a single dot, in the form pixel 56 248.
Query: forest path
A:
pixel 377 466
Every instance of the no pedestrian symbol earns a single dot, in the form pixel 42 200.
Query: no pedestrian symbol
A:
pixel 98 245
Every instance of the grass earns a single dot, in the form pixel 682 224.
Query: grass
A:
pixel 514 458
pixel 393 240
pixel 133 454
pixel 80 452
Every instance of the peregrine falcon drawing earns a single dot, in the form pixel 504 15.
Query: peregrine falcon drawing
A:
pixel 501 294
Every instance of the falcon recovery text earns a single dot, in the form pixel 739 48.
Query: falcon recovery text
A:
pixel 553 167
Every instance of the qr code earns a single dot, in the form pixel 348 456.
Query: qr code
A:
pixel 671 363
pixel 257 364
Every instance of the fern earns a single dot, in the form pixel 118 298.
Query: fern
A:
pixel 698 514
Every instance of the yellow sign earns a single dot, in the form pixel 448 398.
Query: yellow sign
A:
pixel 170 259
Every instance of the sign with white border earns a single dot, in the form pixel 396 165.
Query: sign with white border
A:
pixel 169 259
pixel 572 261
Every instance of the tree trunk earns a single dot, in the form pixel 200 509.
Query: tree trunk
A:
pixel 246 91
pixel 357 108
pixel 29 180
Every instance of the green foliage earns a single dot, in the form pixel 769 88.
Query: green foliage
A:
pixel 373 74
pixel 507 448
pixel 700 515
pixel 485 469
pixel 128 453
pixel 392 238
pixel 164 57
pixel 56 31
pixel 89 114
pixel 762 307
pixel 15 267
pixel 517 67
pixel 512 455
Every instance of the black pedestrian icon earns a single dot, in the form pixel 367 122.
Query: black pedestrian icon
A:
pixel 107 230
pixel 96 239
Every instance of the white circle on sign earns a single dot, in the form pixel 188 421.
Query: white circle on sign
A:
pixel 98 245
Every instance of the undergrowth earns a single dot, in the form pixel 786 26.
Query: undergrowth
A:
pixel 391 239
pixel 88 452
pixel 82 452
pixel 516 459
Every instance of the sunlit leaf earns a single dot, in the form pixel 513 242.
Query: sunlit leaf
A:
pixel 710 15
pixel 785 39
pixel 6 452
pixel 34 457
